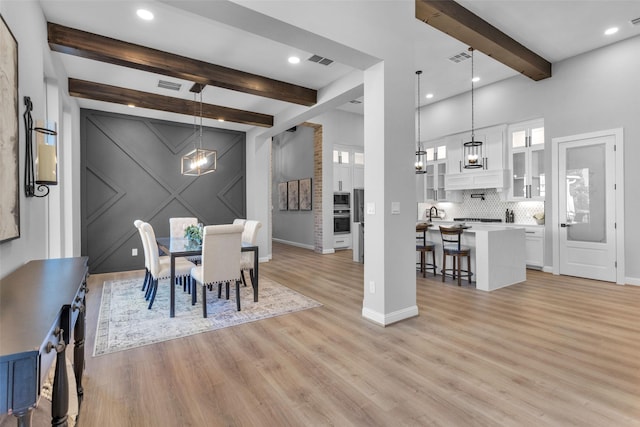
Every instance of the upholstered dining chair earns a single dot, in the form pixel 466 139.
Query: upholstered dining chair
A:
pixel 177 227
pixel 162 270
pixel 147 274
pixel 221 246
pixel 239 221
pixel 249 235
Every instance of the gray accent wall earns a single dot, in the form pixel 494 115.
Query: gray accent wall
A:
pixel 292 160
pixel 130 169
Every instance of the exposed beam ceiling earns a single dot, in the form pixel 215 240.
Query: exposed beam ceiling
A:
pixel 118 95
pixel 92 46
pixel 461 24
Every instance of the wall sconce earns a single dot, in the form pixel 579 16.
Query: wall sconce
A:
pixel 42 174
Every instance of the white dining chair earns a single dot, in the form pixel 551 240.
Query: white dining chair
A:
pixel 221 246
pixel 177 227
pixel 249 236
pixel 162 270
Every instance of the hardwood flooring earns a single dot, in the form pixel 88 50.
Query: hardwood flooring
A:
pixel 553 351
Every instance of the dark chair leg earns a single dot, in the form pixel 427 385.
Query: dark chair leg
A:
pixel 219 290
pixel 433 258
pixel 459 262
pixel 192 289
pixel 146 279
pixel 444 266
pixel 204 300
pixel 227 289
pixel 154 290
pixel 243 279
pixel 469 268
pixel 238 295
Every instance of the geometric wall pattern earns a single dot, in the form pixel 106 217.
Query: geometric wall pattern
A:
pixel 130 169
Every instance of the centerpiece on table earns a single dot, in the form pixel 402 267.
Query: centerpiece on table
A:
pixel 194 233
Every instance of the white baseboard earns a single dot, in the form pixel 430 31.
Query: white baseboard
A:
pixel 387 319
pixel 296 244
pixel 328 251
pixel 547 269
pixel 632 281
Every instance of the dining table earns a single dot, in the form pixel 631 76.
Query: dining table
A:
pixel 177 247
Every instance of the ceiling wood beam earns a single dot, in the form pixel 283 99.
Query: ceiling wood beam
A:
pixel 92 46
pixel 461 24
pixel 119 95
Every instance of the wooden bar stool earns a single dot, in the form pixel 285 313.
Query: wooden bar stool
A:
pixel 423 246
pixel 451 247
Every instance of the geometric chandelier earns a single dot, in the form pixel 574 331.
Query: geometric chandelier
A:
pixel 200 161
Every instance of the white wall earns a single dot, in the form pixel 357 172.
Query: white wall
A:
pixel 40 237
pixel 594 91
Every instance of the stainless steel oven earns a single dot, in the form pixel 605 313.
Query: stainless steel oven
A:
pixel 341 200
pixel 341 221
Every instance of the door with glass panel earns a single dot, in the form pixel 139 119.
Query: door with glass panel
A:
pixel 586 216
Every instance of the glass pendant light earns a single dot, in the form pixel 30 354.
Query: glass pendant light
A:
pixel 472 149
pixel 420 164
pixel 200 161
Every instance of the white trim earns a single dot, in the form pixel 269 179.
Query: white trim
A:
pixel 618 134
pixel 328 251
pixel 387 319
pixel 635 281
pixel 547 269
pixel 299 245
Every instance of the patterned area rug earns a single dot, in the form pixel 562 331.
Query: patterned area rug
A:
pixel 125 322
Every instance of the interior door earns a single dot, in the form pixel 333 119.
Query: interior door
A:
pixel 586 171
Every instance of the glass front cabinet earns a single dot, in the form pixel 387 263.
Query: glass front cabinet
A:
pixel 526 143
pixel 436 168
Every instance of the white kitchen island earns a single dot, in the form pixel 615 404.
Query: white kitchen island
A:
pixel 497 253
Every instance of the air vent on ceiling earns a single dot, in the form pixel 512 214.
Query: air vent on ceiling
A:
pixel 636 21
pixel 355 101
pixel 169 85
pixel 462 56
pixel 320 60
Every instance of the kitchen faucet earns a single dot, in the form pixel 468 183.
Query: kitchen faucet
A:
pixel 431 209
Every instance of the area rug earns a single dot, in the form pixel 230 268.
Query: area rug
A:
pixel 124 321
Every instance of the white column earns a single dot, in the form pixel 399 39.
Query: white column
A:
pixel 389 135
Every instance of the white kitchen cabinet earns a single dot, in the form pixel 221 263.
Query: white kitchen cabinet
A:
pixel 348 168
pixel 534 246
pixel 342 179
pixel 431 184
pixel 526 143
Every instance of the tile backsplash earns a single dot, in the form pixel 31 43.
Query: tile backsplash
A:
pixel 491 207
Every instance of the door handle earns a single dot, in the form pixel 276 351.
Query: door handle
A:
pixel 565 225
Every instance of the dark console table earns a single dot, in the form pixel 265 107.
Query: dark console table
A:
pixel 40 304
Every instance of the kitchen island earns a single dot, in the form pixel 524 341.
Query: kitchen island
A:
pixel 497 253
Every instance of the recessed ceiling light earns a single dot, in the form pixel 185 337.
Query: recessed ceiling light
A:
pixel 611 31
pixel 294 60
pixel 429 96
pixel 131 105
pixel 221 120
pixel 144 14
pixel 475 79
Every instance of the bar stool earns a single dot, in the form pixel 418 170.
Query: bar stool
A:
pixel 451 247
pixel 423 247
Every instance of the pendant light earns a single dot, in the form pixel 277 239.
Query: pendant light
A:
pixel 420 164
pixel 200 161
pixel 472 149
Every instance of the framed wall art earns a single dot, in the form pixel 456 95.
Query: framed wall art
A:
pixel 282 196
pixel 292 189
pixel 10 195
pixel 305 194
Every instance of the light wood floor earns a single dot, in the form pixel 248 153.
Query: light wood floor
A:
pixel 553 351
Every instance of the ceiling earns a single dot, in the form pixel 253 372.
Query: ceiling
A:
pixel 555 30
